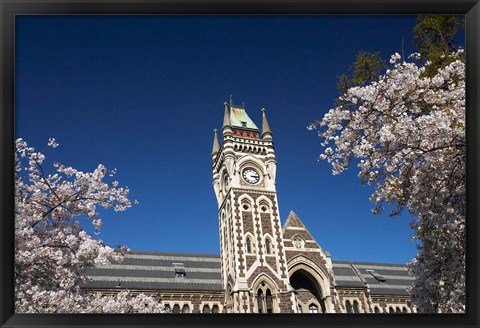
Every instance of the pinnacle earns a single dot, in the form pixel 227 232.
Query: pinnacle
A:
pixel 216 146
pixel 265 125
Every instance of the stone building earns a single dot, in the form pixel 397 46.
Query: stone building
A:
pixel 263 267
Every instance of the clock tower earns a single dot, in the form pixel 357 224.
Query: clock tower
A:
pixel 254 266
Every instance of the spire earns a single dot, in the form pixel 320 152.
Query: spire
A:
pixel 216 147
pixel 266 132
pixel 226 116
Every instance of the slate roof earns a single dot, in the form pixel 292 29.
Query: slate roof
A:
pixel 159 271
pixel 380 278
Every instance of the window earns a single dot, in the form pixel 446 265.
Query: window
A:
pixel 176 308
pixel 398 310
pixel 186 308
pixel 355 307
pixel 265 298
pixel 391 310
pixel 260 301
pixel 405 310
pixel 179 269
pixel 244 124
pixel 167 307
pixel 348 307
pixel 249 245
pixel 313 308
pixel 206 309
pixel 215 309
pixel 269 301
pixel 268 247
pixel 376 309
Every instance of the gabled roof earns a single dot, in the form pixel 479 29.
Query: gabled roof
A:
pixel 240 119
pixel 293 221
pixel 158 271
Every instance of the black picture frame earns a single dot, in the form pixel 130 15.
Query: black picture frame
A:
pixel 10 8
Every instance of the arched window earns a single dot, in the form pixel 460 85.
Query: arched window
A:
pixel 313 308
pixel 391 310
pixel 215 309
pixel 355 307
pixel 268 247
pixel 246 205
pixel 377 309
pixel 260 301
pixel 206 309
pixel 405 310
pixel 398 310
pixel 166 307
pixel 186 308
pixel 348 307
pixel 269 301
pixel 249 245
pixel 176 308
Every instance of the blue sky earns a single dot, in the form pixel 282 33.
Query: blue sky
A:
pixel 142 94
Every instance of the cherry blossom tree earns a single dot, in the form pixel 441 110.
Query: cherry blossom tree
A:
pixel 52 250
pixel 406 134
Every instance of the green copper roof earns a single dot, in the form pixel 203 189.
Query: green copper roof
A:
pixel 239 118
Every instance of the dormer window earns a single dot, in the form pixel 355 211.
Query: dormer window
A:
pixel 179 269
pixel 244 124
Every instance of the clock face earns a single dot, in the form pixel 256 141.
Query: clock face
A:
pixel 250 175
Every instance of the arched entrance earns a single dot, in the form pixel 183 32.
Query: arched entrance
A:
pixel 309 293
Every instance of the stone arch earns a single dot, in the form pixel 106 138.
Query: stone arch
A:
pixel 251 160
pixel 264 204
pixel 308 279
pixel 245 199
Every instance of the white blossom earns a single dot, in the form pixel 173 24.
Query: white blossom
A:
pixel 52 250
pixel 408 133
